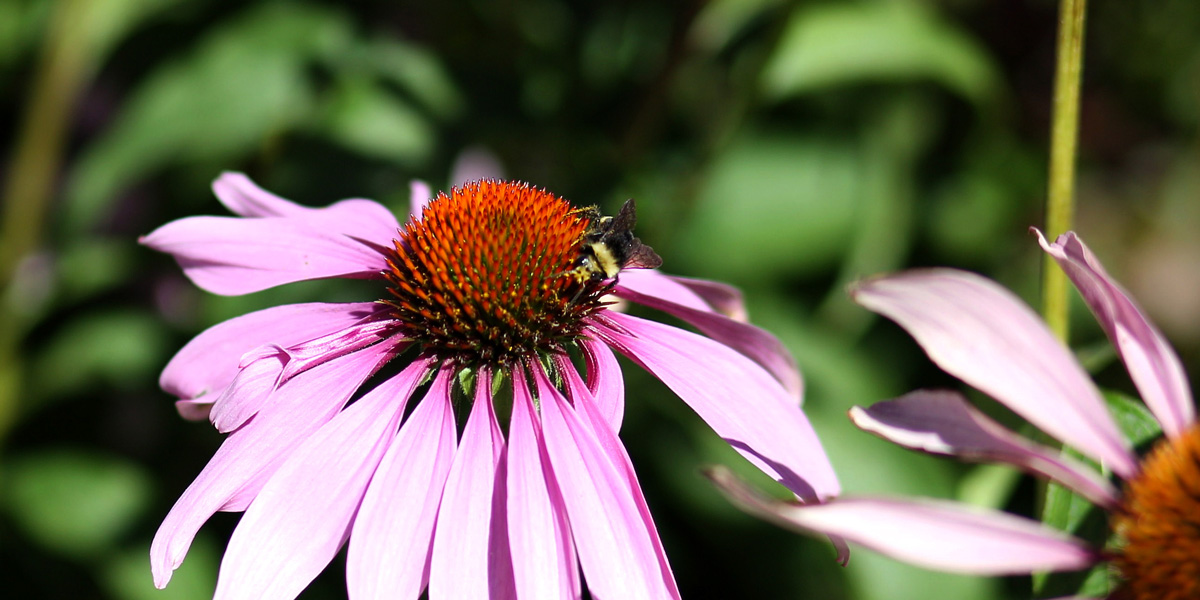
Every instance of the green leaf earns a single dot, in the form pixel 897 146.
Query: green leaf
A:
pixel 1136 422
pixel 418 72
pixel 365 117
pixel 127 574
pixel 121 349
pixel 74 503
pixel 242 83
pixel 839 44
pixel 774 204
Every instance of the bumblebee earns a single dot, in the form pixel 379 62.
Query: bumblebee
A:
pixel 609 245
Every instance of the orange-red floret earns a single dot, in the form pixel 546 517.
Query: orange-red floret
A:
pixel 483 276
pixel 1159 522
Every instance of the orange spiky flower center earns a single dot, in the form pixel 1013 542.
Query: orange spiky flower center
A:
pixel 484 275
pixel 1159 522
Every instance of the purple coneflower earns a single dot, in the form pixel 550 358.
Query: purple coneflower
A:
pixel 489 306
pixel 982 334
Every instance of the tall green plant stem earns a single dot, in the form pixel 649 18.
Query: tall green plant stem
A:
pixel 37 159
pixel 1064 135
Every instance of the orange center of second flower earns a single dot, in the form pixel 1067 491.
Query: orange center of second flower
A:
pixel 485 274
pixel 1159 522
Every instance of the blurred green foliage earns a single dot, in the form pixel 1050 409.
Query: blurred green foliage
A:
pixel 787 147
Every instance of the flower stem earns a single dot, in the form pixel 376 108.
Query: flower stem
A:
pixel 1064 134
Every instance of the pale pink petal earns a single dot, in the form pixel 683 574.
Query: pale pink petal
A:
pixel 599 428
pixel 267 367
pixel 981 333
pixel 357 218
pixel 194 410
pixel 615 548
pixel 249 456
pixel 244 198
pixel 473 164
pixel 935 534
pixel 232 256
pixel 208 363
pixel 419 196
pixel 734 395
pixel 605 380
pixel 392 535
pixel 543 554
pixel 725 298
pixel 1152 363
pixel 302 516
pixel 942 422
pixel 463 541
pixel 651 282
pixel 250 390
pixel 760 346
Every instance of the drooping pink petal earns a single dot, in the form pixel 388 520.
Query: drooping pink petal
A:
pixel 754 342
pixel 358 218
pixel 208 363
pixel 250 390
pixel 605 380
pixel 599 428
pixel 462 564
pixel 615 548
pixel 267 367
pixel 734 395
pixel 650 282
pixel 981 333
pixel 232 256
pixel 935 534
pixel 543 554
pixel 302 516
pixel 250 455
pixel 1152 363
pixel 942 422
pixel 725 298
pixel 392 536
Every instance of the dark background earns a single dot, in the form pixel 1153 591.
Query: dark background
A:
pixel 786 147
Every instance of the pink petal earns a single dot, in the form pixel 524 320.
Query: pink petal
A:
pixel 208 363
pixel 465 538
pixel 357 218
pixel 544 562
pixel 981 333
pixel 392 536
pixel 605 380
pixel 244 198
pixel 934 534
pixel 250 390
pixel 265 368
pixel 725 298
pixel 735 396
pixel 302 516
pixel 194 410
pixel 615 548
pixel 599 428
pixel 250 455
pixel 757 344
pixel 1152 363
pixel 942 422
pixel 419 196
pixel 232 256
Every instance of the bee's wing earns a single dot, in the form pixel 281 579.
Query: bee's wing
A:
pixel 626 217
pixel 642 256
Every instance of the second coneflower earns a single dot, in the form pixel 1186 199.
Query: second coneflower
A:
pixel 979 332
pixel 494 293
